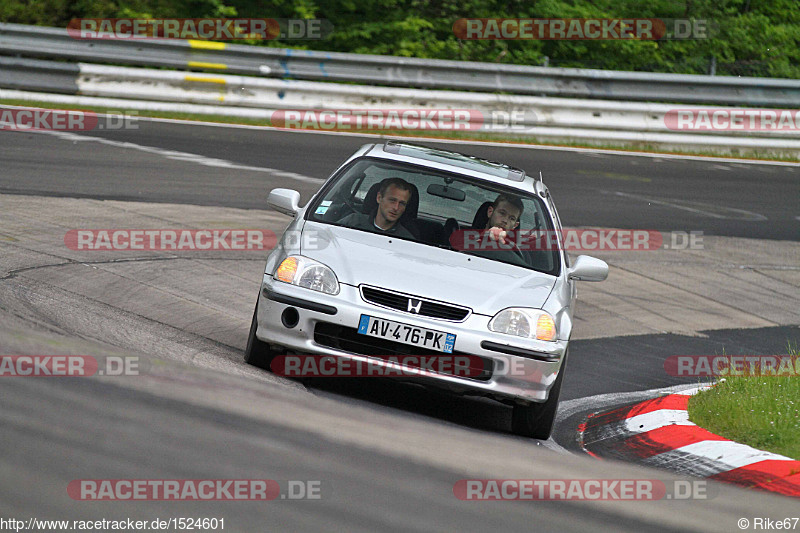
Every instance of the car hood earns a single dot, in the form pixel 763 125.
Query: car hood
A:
pixel 486 286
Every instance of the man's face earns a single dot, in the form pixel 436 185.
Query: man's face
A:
pixel 392 205
pixel 505 216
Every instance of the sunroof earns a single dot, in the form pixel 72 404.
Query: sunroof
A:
pixel 455 159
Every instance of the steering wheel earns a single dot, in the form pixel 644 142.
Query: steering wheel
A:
pixel 514 248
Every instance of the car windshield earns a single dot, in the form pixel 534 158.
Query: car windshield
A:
pixel 445 210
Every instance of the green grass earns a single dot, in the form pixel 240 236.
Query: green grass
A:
pixel 762 412
pixel 450 135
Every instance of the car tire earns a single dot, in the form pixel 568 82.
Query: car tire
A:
pixel 536 420
pixel 258 352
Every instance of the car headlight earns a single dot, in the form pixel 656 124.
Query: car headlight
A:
pixel 530 323
pixel 305 272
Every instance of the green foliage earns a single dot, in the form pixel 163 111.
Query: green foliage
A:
pixel 748 37
pixel 761 411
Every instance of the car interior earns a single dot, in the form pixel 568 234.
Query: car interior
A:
pixel 427 226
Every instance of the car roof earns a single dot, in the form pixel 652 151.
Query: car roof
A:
pixel 456 162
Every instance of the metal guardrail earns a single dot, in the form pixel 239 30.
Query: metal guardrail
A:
pixel 542 118
pixel 34 41
pixel 38 75
pixel 260 94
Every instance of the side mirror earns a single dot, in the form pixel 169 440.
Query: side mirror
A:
pixel 284 201
pixel 588 268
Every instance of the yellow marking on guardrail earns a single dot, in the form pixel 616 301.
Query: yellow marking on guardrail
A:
pixel 204 79
pixel 200 64
pixel 206 45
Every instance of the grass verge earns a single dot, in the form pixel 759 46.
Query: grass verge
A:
pixel 446 135
pixel 760 411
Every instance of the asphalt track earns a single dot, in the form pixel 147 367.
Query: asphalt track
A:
pixel 387 454
pixel 733 199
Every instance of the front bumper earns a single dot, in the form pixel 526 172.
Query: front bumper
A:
pixel 523 369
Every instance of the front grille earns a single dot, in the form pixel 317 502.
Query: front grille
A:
pixel 400 302
pixel 349 340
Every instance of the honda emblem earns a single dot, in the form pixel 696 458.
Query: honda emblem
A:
pixel 414 305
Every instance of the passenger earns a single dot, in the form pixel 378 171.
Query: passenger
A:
pixel 393 198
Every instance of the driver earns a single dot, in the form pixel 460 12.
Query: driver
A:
pixel 393 198
pixel 504 215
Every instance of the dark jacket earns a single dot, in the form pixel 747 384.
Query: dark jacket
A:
pixel 367 223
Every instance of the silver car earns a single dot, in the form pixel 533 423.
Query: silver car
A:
pixel 453 276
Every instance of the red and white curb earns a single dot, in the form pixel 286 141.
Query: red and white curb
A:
pixel 658 433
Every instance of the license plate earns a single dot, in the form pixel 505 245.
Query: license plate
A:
pixel 399 332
